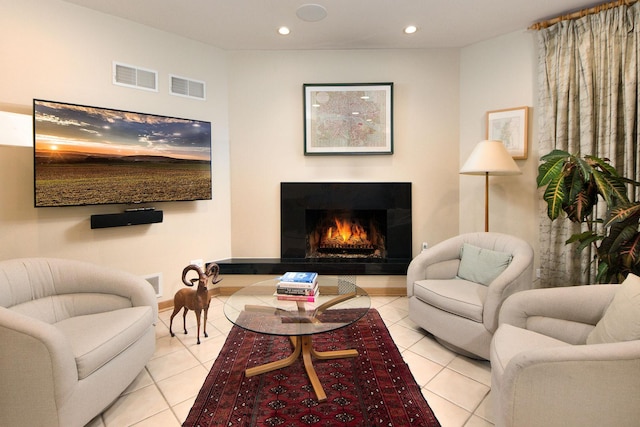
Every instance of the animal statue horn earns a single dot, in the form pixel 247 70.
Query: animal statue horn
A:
pixel 195 299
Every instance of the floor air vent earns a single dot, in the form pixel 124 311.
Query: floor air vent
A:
pixel 185 87
pixel 130 76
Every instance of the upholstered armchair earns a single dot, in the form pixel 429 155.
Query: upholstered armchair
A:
pixel 568 357
pixel 73 336
pixel 456 287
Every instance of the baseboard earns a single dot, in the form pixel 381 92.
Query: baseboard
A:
pixel 165 305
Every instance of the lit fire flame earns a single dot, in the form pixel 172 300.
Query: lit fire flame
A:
pixel 346 230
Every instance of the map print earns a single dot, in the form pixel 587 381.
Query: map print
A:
pixel 349 118
pixel 510 127
pixel 506 130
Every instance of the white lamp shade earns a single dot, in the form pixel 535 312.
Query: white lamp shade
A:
pixel 490 157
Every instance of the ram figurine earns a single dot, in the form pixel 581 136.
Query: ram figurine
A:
pixel 195 299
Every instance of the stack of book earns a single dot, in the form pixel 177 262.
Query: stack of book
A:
pixel 298 286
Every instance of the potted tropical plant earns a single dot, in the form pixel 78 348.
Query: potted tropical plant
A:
pixel 574 185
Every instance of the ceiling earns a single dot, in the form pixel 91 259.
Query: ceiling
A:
pixel 349 24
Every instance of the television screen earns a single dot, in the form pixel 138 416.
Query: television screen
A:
pixel 90 156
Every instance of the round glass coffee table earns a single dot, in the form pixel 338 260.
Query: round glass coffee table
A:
pixel 339 304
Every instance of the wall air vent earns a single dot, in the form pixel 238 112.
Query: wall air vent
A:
pixel 181 86
pixel 155 280
pixel 139 78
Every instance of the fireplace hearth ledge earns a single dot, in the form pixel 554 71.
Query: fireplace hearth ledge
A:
pixel 388 267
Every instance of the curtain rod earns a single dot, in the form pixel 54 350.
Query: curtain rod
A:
pixel 579 14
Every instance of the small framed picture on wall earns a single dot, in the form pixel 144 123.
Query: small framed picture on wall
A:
pixel 510 127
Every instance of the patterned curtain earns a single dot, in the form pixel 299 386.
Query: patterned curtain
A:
pixel 588 96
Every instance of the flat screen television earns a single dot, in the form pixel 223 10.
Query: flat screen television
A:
pixel 87 155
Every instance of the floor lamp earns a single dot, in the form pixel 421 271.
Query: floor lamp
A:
pixel 489 158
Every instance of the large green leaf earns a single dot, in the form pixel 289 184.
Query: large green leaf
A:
pixel 621 235
pixel 576 185
pixel 620 251
pixel 604 164
pixel 585 239
pixel 554 196
pixel 584 166
pixel 603 272
pixel 610 188
pixel 621 213
pixel 552 167
pixel 581 200
pixel 631 252
pixel 553 154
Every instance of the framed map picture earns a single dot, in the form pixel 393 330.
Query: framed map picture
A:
pixel 510 127
pixel 348 118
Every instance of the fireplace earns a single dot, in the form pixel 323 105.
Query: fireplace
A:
pixel 345 221
pixel 345 233
pixel 338 229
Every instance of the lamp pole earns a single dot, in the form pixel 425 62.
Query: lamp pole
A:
pixel 486 201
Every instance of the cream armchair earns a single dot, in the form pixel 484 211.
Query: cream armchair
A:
pixel 73 336
pixel 458 298
pixel 550 365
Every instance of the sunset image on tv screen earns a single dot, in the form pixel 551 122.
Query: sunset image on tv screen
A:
pixel 88 155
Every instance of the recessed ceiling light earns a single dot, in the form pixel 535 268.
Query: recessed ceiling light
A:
pixel 283 31
pixel 410 29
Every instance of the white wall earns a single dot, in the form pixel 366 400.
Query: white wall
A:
pixel 266 124
pixel 57 51
pixel 497 74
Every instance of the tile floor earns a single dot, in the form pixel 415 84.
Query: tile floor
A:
pixel 457 388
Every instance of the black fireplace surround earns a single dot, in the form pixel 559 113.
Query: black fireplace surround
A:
pixel 296 198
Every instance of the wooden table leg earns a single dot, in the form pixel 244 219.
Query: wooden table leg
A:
pixel 303 345
pixel 278 364
pixel 337 354
pixel 311 372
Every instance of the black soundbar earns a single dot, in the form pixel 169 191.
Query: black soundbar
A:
pixel 135 217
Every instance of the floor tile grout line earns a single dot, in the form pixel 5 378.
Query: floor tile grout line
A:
pixel 167 402
pixel 452 402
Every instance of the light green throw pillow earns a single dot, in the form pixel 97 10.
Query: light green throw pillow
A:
pixel 482 265
pixel 621 320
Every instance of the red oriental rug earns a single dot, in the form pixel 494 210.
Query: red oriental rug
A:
pixel 374 389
